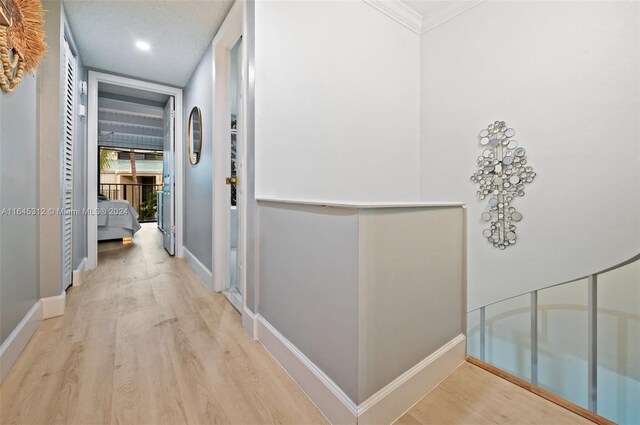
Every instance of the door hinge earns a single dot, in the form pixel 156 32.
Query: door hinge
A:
pixel 173 113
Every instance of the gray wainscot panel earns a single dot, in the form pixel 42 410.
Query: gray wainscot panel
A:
pixel 308 266
pixel 365 291
pixel 411 289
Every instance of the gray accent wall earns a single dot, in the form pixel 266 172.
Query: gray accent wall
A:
pixel 411 289
pixel 30 138
pixel 19 286
pixel 308 284
pixel 198 195
pixel 364 292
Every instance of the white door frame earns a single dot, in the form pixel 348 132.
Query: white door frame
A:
pixel 226 37
pixel 95 78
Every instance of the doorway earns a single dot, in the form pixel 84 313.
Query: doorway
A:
pixel 137 120
pixel 229 175
pixel 135 143
pixel 234 291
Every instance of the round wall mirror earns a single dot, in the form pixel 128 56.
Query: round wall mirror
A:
pixel 195 135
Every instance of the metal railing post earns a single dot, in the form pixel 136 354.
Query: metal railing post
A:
pixel 592 342
pixel 534 338
pixel 482 334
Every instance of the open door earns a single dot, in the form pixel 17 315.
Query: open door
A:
pixel 168 173
pixel 237 149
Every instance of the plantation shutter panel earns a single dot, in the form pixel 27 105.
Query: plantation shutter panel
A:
pixel 67 189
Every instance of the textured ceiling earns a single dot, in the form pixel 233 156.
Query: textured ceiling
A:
pixel 178 31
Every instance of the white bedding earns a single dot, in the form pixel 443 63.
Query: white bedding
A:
pixel 117 214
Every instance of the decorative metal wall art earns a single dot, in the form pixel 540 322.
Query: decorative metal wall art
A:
pixel 22 42
pixel 502 174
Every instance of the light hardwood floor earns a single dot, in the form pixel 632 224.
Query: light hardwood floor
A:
pixel 143 342
pixel 471 395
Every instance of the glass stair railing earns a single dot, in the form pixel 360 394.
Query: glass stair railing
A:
pixel 578 340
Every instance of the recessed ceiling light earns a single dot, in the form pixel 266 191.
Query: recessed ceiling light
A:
pixel 143 45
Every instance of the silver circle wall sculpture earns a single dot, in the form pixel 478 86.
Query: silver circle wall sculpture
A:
pixel 502 174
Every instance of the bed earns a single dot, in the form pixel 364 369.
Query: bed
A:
pixel 116 220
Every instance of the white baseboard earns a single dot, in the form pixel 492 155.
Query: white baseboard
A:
pixel 53 306
pixel 332 402
pixel 385 406
pixel 82 267
pixel 395 399
pixel 200 269
pixel 250 323
pixel 16 341
pixel 76 278
pixel 77 273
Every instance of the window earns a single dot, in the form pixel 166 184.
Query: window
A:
pixel 141 156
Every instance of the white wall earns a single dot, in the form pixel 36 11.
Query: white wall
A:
pixel 337 103
pixel 565 76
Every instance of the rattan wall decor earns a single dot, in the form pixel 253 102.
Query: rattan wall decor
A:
pixel 22 42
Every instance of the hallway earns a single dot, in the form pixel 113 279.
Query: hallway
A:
pixel 144 342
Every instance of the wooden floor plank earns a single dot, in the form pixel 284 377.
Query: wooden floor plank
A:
pixel 471 395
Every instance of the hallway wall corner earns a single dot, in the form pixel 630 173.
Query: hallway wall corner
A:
pixel 53 306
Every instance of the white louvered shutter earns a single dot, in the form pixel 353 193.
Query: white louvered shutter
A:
pixel 67 178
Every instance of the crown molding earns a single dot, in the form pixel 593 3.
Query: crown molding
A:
pixel 446 11
pixel 409 18
pixel 399 12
